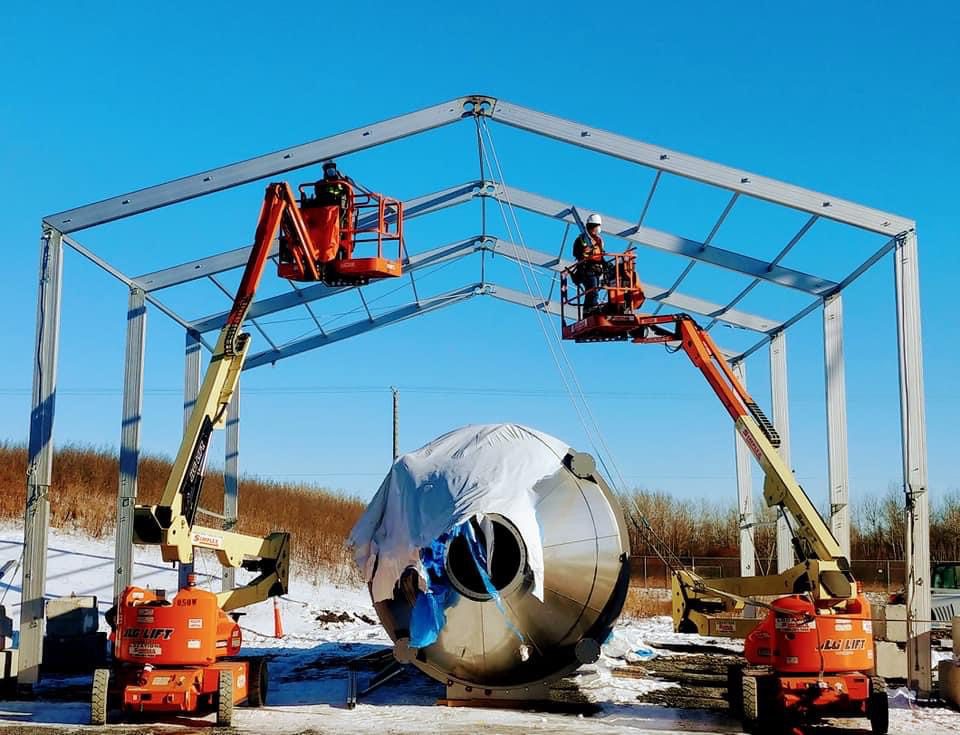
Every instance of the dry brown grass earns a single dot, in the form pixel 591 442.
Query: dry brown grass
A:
pixel 646 603
pixel 85 491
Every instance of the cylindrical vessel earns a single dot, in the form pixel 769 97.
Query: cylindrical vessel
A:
pixel 503 653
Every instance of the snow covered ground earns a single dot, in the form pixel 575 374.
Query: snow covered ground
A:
pixel 308 668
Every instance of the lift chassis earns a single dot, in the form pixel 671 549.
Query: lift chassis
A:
pixel 813 654
pixel 181 655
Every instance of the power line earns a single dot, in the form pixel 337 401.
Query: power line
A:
pixel 374 389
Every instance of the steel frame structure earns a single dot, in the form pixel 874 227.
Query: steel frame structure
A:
pixel 901 241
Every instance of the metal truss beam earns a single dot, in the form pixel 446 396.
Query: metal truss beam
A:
pixel 237 258
pixel 678 301
pixel 409 311
pixel 780 256
pixel 512 296
pixel 809 308
pixel 667 242
pixel 365 325
pixel 699 169
pixel 130 282
pixel 235 174
pixel 502 248
pixel 429 118
pixel 304 296
pixel 713 233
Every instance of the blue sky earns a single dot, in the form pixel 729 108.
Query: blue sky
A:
pixel 858 100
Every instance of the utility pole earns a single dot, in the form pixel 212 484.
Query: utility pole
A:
pixel 396 421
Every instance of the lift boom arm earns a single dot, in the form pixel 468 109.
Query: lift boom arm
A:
pixel 823 571
pixel 813 537
pixel 170 523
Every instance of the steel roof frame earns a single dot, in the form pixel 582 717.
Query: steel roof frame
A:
pixel 899 231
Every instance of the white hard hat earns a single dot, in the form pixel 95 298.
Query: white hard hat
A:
pixel 594 219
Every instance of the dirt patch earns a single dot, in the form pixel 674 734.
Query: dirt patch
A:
pixel 701 680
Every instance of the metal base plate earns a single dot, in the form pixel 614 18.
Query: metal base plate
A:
pixel 477 697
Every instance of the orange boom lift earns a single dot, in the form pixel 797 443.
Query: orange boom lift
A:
pixel 179 655
pixel 812 656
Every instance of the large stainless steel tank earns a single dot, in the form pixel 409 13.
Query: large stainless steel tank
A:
pixel 586 575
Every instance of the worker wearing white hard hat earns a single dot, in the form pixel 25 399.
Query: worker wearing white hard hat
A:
pixel 588 250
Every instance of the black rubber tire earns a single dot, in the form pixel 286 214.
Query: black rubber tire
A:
pixel 735 690
pixel 762 712
pixel 100 697
pixel 750 701
pixel 257 682
pixel 225 699
pixel 878 707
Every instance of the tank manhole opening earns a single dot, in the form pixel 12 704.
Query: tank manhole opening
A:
pixel 507 564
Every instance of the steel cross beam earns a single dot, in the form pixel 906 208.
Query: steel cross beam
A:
pixel 288 159
pixel 713 233
pixel 364 325
pixel 429 118
pixel 303 296
pixel 667 242
pixel 809 308
pixel 409 311
pixel 698 169
pixel 130 283
pixel 503 248
pixel 664 296
pixel 780 256
pixel 213 264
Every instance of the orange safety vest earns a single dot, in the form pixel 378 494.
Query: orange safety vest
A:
pixel 592 251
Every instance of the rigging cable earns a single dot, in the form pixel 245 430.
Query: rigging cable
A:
pixel 578 398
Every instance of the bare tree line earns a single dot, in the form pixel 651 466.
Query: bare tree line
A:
pixel 701 527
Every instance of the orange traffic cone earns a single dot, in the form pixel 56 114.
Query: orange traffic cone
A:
pixel 277 622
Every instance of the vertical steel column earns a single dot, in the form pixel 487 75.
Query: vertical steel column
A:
pixel 914 438
pixel 781 421
pixel 231 478
pixel 191 387
pixel 36 520
pixel 129 441
pixel 836 388
pixel 744 491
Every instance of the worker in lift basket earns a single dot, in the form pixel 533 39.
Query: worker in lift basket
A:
pixel 333 191
pixel 589 271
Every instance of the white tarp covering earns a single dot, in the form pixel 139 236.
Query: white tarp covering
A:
pixel 478 469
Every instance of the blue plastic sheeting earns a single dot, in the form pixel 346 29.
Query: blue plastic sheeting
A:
pixel 429 611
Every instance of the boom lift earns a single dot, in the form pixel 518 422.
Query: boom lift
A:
pixel 813 654
pixel 178 656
